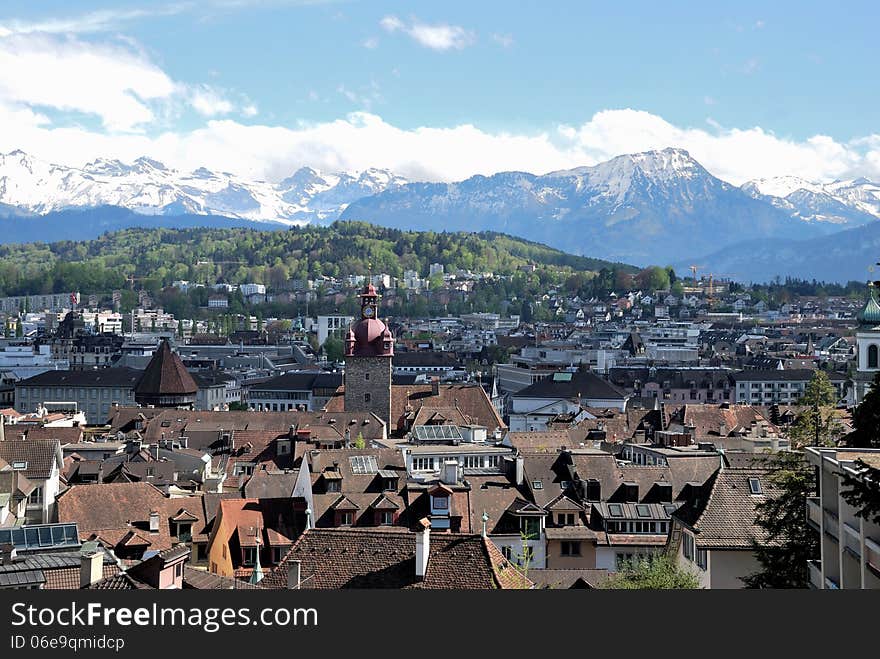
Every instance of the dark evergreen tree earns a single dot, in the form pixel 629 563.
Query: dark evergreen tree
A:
pixel 866 419
pixel 789 540
pixel 863 491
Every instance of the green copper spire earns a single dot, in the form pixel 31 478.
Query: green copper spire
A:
pixel 870 315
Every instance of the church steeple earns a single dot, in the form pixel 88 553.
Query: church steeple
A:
pixel 869 316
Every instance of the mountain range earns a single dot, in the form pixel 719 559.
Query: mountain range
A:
pixel 657 207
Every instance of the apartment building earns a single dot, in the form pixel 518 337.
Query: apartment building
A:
pixel 849 544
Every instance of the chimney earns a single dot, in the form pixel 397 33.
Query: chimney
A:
pixel 423 548
pixel 91 566
pixel 154 521
pixel 449 475
pixel 294 575
pixel 435 386
pixel 518 474
pixel 291 432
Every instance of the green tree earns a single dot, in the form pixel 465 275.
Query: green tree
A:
pixel 862 491
pixel 238 406
pixel 818 425
pixel 659 572
pixel 359 441
pixel 866 419
pixel 789 541
pixel 334 349
pixel 19 330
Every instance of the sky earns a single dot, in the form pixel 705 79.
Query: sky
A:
pixel 443 90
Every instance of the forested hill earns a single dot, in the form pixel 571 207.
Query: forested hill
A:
pixel 160 256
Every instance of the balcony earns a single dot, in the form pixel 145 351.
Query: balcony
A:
pixel 814 512
pixel 832 526
pixel 815 574
pixel 872 554
pixel 852 540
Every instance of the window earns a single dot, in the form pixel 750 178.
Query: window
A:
pixel 873 359
pixel 423 464
pixel 755 486
pixel 366 376
pixel 615 510
pixel 386 518
pixel 390 485
pixel 594 490
pixel 566 519
pixel 178 571
pixel 528 555
pixel 701 559
pixel 368 398
pixel 346 519
pixel 184 531
pixel 473 461
pixel 249 555
pixel 537 485
pixel 492 460
pixel 643 510
pixel 440 503
pixel 36 497
pixel 506 552
pixel 334 485
pixel 571 548
pixel 687 546
pixel 530 527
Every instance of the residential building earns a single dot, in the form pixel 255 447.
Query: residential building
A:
pixel 92 392
pixel 369 558
pixel 849 543
pixel 37 465
pixel 295 390
pixel 766 387
pixel 713 534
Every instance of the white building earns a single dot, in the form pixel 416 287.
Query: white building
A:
pixel 335 325
pixel 252 289
pixel 849 544
pixel 868 345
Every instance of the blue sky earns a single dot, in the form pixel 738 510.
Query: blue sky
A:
pixel 443 89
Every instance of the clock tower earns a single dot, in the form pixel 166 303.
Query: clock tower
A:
pixel 369 348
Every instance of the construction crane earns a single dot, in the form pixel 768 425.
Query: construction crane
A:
pixel 693 269
pixel 710 299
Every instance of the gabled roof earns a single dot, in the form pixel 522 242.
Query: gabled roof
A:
pixel 41 455
pixel 725 519
pixel 581 383
pixel 374 558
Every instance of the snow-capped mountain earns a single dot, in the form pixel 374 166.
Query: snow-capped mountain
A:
pixel 848 203
pixel 642 208
pixel 149 187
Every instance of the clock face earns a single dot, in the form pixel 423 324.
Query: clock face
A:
pixel 369 312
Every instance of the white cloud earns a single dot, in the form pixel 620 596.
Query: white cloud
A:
pixel 96 21
pixel 371 44
pixel 66 74
pixel 210 102
pixel 361 140
pixel 250 110
pixel 503 40
pixel 439 36
pixel 708 100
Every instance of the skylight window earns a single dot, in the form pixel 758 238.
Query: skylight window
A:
pixel 19 465
pixel 643 510
pixel 615 510
pixel 755 486
pixel 537 485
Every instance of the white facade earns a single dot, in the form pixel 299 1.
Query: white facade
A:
pixel 252 289
pixel 332 326
pixel 849 544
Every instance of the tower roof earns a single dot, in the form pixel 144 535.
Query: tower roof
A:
pixel 870 315
pixel 166 375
